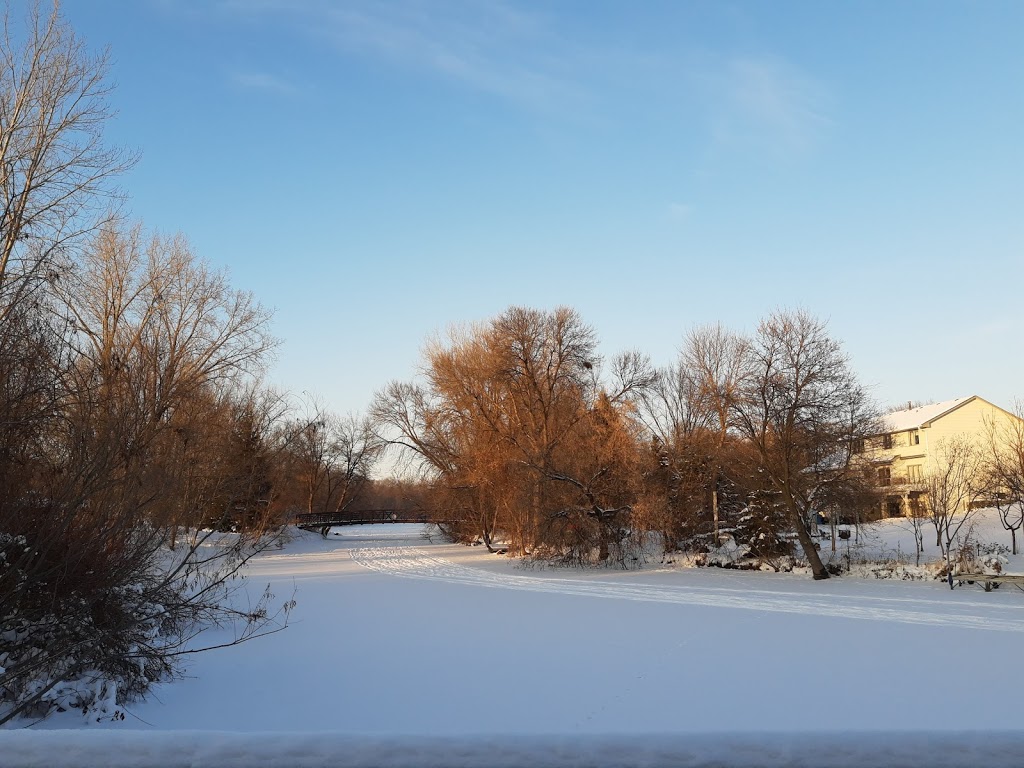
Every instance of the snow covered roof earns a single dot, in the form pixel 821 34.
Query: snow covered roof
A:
pixel 913 418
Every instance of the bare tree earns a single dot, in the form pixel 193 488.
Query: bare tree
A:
pixel 681 453
pixel 1004 470
pixel 918 517
pixel 309 442
pixel 715 356
pixel 802 408
pixel 686 450
pixel 357 448
pixel 56 172
pixel 159 308
pixel 468 473
pixel 333 455
pixel 953 485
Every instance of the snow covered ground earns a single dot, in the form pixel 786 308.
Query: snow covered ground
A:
pixel 891 542
pixel 407 652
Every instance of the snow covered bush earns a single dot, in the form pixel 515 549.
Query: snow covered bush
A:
pixel 764 532
pixel 760 540
pixel 990 558
pixel 93 613
pixel 896 570
pixel 577 538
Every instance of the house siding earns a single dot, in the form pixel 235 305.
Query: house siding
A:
pixel 972 418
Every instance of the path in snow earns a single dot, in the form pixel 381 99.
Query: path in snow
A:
pixel 416 563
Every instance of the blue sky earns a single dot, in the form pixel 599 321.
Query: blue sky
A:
pixel 378 171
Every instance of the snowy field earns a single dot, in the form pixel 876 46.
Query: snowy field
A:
pixel 404 652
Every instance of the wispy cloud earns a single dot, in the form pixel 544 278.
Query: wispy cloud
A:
pixel 770 104
pixel 679 211
pixel 491 47
pixel 261 81
pixel 533 57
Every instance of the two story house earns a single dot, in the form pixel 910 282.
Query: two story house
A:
pixel 902 456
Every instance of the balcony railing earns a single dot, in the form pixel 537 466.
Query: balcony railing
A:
pixel 896 480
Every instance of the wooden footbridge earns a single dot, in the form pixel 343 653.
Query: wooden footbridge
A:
pixel 324 521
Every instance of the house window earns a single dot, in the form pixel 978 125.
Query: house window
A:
pixel 915 437
pixel 914 473
pixel 887 441
pixel 894 507
pixel 858 446
pixel 915 505
pixel 884 476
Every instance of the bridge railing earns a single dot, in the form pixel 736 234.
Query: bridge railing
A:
pixel 357 517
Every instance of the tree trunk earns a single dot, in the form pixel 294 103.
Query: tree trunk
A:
pixel 810 551
pixel 604 544
pixel 714 509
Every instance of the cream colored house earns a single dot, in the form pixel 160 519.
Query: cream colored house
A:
pixel 902 457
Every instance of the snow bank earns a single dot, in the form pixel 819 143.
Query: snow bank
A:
pixel 198 749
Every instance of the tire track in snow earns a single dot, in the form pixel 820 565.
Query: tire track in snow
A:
pixel 414 563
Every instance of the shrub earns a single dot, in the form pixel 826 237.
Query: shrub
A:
pixel 95 612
